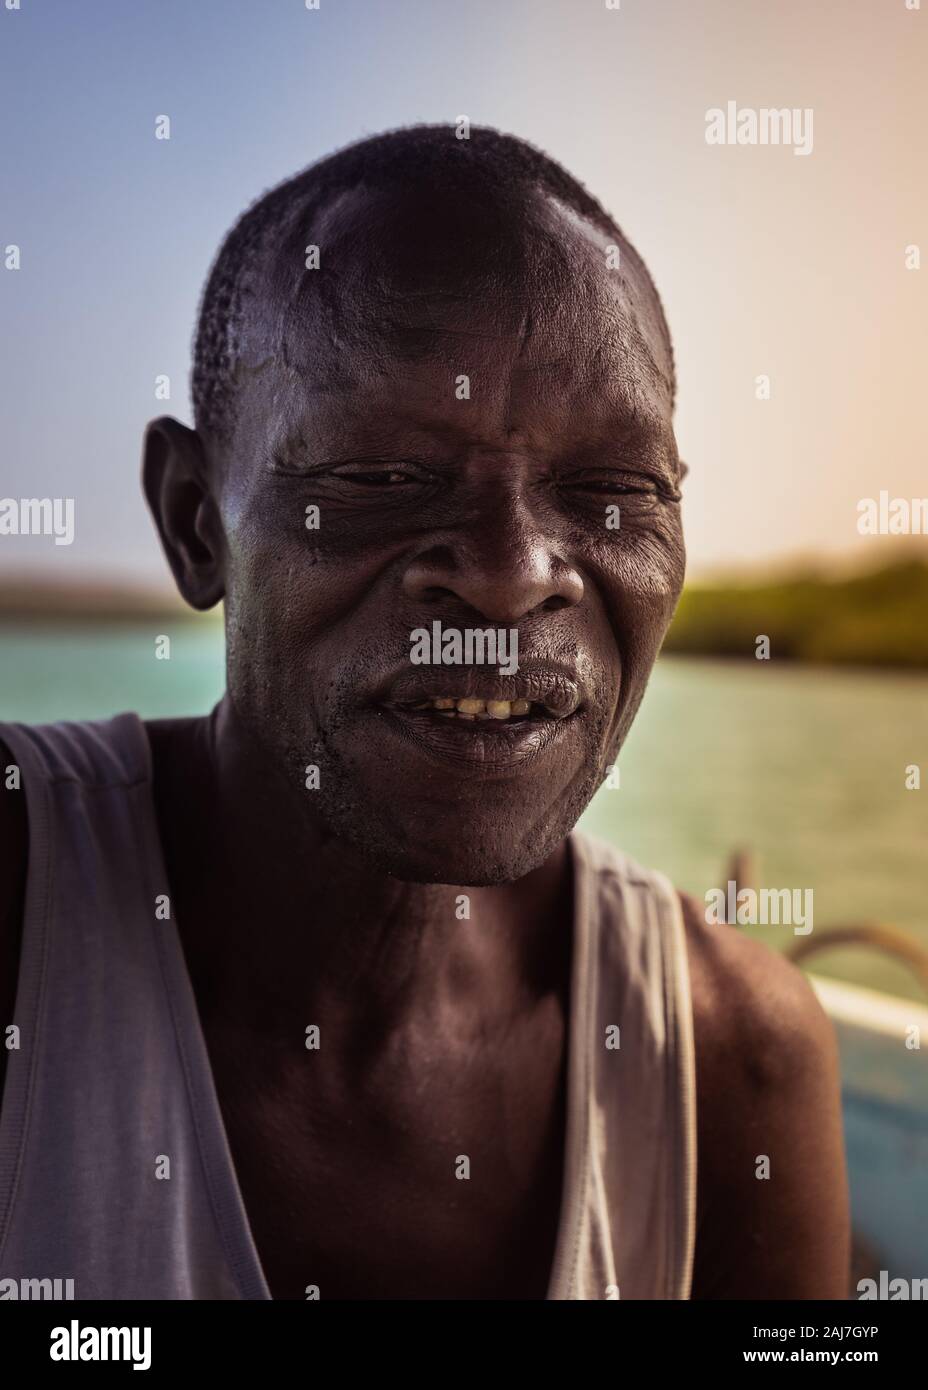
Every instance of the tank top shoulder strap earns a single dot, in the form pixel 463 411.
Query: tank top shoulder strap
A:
pixel 114 1164
pixel 112 752
pixel 635 1008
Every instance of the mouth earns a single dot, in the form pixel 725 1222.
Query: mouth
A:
pixel 471 709
pixel 537 690
pixel 495 724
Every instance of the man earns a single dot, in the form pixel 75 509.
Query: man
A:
pixel 323 995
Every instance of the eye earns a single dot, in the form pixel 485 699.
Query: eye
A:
pixel 386 477
pixel 640 489
pixel 611 484
pixel 381 479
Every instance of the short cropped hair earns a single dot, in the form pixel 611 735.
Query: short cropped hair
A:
pixel 415 156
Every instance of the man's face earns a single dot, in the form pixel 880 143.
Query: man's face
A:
pixel 491 511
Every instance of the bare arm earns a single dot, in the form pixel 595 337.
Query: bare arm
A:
pixel 772 1216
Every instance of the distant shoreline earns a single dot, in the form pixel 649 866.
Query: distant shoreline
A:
pixel 50 605
pixel 877 619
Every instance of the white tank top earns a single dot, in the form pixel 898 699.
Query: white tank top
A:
pixel 112 1076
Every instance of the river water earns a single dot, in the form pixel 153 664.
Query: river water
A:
pixel 805 767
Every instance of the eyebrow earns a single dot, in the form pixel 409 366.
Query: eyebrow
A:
pixel 627 425
pixel 403 428
pixel 296 447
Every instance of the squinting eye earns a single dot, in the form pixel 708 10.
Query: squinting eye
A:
pixel 611 485
pixel 380 479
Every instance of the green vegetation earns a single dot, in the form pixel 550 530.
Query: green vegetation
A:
pixel 875 619
pixel 878 618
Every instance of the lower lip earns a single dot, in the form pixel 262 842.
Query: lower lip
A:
pixel 482 745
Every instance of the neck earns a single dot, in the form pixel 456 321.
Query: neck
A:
pixel 271 906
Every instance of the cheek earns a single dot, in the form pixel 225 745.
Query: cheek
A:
pixel 271 609
pixel 305 619
pixel 641 574
pixel 289 582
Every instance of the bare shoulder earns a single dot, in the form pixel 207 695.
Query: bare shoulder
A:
pixel 772 1218
pixel 752 999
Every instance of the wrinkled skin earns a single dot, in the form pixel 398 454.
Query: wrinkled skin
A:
pixel 484 511
pixel 338 905
pixel 441 1036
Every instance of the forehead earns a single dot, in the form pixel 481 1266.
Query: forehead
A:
pixel 551 320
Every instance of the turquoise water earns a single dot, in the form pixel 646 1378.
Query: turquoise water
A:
pixel 94 672
pixel 804 766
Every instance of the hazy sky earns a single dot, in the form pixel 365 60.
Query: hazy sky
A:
pixel 768 262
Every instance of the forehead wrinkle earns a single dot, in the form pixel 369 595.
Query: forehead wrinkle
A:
pixel 365 421
pixel 333 339
pixel 359 288
pixel 631 288
pixel 620 386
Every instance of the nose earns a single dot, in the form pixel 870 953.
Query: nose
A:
pixel 501 566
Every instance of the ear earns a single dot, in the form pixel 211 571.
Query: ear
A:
pixel 175 477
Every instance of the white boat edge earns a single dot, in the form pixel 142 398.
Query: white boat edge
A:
pixel 859 1007
pixel 884 1094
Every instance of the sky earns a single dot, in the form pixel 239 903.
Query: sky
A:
pixel 769 263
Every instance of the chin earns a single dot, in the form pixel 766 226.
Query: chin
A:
pixel 485 858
